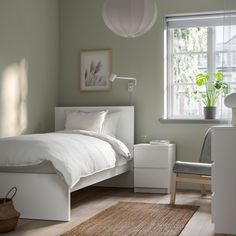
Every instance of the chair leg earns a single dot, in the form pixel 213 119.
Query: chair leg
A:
pixel 173 189
pixel 202 188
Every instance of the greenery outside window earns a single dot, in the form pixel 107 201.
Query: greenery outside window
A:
pixel 197 44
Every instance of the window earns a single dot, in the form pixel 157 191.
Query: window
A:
pixel 196 44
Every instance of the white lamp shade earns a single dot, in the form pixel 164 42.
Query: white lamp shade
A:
pixel 112 77
pixel 129 18
pixel 230 100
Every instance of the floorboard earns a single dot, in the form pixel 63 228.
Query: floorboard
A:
pixel 90 201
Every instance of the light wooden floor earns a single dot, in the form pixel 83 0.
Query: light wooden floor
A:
pixel 90 201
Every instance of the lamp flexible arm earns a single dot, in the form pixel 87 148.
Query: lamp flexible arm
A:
pixel 128 78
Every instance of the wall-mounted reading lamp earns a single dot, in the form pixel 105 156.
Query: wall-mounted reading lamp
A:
pixel 131 81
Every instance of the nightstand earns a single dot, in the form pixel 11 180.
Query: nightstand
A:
pixel 153 167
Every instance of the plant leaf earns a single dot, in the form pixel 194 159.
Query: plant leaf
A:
pixel 200 82
pixel 219 76
pixel 218 84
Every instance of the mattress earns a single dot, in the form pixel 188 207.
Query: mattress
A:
pixel 46 167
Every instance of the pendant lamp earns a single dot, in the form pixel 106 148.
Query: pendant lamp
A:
pixel 129 18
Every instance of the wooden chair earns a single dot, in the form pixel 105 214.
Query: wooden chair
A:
pixel 201 169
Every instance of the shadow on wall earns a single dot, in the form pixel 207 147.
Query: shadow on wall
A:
pixel 13 103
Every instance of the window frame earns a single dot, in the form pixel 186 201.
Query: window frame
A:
pixel 211 61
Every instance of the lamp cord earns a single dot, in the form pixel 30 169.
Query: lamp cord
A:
pixel 130 98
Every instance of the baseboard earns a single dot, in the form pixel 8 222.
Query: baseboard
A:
pixel 151 190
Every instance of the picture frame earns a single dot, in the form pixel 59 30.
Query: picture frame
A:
pixel 95 69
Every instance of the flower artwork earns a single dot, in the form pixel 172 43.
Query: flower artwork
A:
pixel 95 69
pixel 92 77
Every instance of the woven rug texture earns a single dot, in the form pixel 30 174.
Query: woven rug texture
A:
pixel 136 219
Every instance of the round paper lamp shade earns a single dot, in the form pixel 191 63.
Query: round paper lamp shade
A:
pixel 129 18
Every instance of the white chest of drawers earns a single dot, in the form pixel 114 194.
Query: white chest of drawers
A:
pixel 224 179
pixel 153 167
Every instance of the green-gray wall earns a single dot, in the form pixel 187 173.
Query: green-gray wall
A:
pixel 82 27
pixel 29 36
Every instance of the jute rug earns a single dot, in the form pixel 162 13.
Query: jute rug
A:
pixel 139 219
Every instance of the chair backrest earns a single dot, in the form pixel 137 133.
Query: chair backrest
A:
pixel 205 156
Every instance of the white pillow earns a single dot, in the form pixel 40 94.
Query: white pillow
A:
pixel 79 120
pixel 110 124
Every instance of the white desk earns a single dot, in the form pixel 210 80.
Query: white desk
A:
pixel 224 179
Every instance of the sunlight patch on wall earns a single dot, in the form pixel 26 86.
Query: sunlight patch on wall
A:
pixel 14 99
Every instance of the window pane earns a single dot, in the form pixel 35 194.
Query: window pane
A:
pixel 187 66
pixel 226 60
pixel 188 59
pixel 190 40
pixel 183 104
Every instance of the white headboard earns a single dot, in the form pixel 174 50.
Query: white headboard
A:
pixel 125 129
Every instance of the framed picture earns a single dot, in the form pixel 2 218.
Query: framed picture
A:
pixel 95 69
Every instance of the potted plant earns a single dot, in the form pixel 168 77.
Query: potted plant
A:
pixel 213 87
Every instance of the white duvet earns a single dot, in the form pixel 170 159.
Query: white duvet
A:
pixel 74 154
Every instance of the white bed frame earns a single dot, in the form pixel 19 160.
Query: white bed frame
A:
pixel 46 196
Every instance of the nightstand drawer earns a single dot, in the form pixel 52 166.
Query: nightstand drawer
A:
pixel 152 158
pixel 151 178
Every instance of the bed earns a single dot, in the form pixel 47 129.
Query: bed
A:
pixel 42 193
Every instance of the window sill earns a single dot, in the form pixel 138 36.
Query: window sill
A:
pixel 193 121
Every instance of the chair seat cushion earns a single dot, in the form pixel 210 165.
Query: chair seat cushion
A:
pixel 195 168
